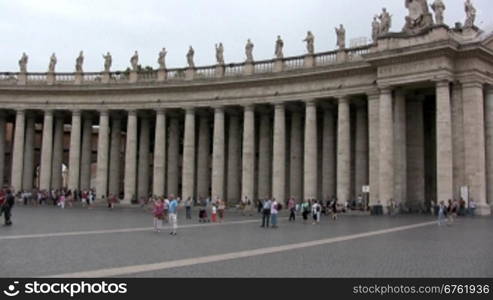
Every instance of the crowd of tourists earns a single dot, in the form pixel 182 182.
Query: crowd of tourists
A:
pixel 448 211
pixel 57 197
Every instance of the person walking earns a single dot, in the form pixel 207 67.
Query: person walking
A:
pixel 305 210
pixel 214 213
pixel 173 215
pixel 316 209
pixel 472 207
pixel 266 213
pixel 292 209
pixel 221 207
pixel 188 208
pixel 450 212
pixel 441 213
pixel 7 207
pixel 274 210
pixel 334 209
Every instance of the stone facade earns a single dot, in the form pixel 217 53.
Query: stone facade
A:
pixel 388 115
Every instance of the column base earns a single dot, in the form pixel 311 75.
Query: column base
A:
pixel 379 210
pixel 484 210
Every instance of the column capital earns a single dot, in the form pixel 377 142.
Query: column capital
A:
pixel 442 83
pixel 104 112
pixel 190 110
pixel 218 108
pixel 48 112
pixel 132 112
pixel 76 112
pixel 489 89
pixel 278 105
pixel 472 84
pixel 343 99
pixel 310 102
pixel 249 107
pixel 385 89
pixel 20 111
pixel 161 111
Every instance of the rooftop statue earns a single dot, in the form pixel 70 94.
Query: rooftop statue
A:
pixel 53 61
pixel 279 45
pixel 310 43
pixel 190 55
pixel 385 21
pixel 162 59
pixel 419 16
pixel 134 61
pixel 79 62
pixel 341 37
pixel 23 63
pixel 249 51
pixel 470 14
pixel 220 54
pixel 375 28
pixel 107 62
pixel 438 7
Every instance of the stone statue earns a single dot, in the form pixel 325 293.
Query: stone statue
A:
pixel 249 51
pixel 279 45
pixel 23 63
pixel 341 37
pixel 375 28
pixel 162 59
pixel 438 7
pixel 385 21
pixel 79 62
pixel 107 62
pixel 190 55
pixel 220 54
pixel 470 14
pixel 53 61
pixel 134 61
pixel 419 16
pixel 310 43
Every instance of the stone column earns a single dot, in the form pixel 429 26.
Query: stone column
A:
pixel 386 157
pixel 489 143
pixel 75 151
pixel 474 142
pixel 328 155
pixel 457 138
pixel 158 184
pixel 415 156
pixel 46 152
pixel 103 153
pixel 188 173
pixel 279 154
pixel 18 150
pixel 296 156
pixel 311 159
pixel 2 147
pixel 203 158
pixel 86 155
pixel 115 154
pixel 343 151
pixel 28 173
pixel 248 153
pixel 58 147
pixel 173 156
pixel 130 183
pixel 143 166
pixel 234 148
pixel 374 147
pixel 400 161
pixel 444 142
pixel 361 150
pixel 264 156
pixel 218 157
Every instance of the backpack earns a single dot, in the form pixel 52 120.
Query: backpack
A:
pixel 279 206
pixel 318 208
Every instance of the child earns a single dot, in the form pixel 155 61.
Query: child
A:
pixel 158 212
pixel 214 213
pixel 61 201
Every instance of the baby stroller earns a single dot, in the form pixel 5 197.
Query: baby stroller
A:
pixel 203 215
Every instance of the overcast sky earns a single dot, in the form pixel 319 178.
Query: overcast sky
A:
pixel 41 27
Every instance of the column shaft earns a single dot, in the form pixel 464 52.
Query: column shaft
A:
pixel 18 150
pixel 130 183
pixel 173 156
pixel 75 152
pixel 103 152
pixel 218 157
pixel 489 144
pixel 3 126
pixel 328 156
pixel 265 157
pixel 115 154
pixel 386 158
pixel 296 157
pixel 343 151
pixel 86 155
pixel 158 185
pixel 143 166
pixel 415 156
pixel 279 155
pixel 248 153
pixel 203 158
pixel 361 150
pixel 457 139
pixel 28 173
pixel 46 152
pixel 58 147
pixel 188 173
pixel 374 147
pixel 234 148
pixel 400 161
pixel 311 159
pixel 444 143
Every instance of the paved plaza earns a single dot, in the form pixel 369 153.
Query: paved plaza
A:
pixel 48 241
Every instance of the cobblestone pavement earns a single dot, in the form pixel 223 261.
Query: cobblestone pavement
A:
pixel 47 241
